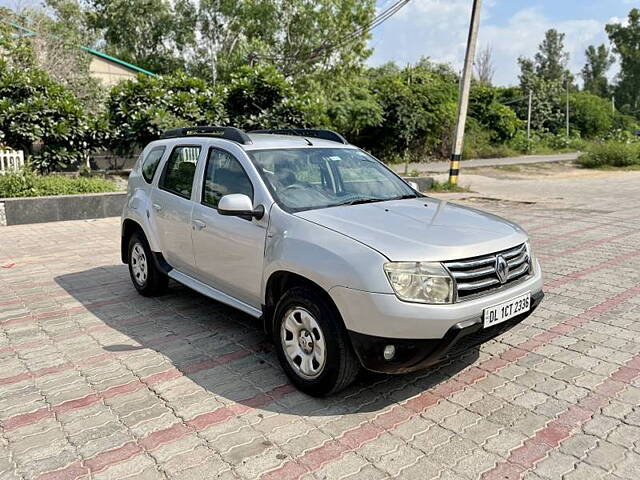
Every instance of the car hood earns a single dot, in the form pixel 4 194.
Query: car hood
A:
pixel 421 229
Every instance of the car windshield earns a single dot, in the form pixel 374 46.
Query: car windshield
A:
pixel 307 178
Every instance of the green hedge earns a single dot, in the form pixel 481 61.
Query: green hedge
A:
pixel 611 154
pixel 28 184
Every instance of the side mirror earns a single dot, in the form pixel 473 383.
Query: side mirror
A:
pixel 414 185
pixel 239 205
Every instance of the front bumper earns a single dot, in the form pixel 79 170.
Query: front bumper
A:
pixel 384 315
pixel 417 354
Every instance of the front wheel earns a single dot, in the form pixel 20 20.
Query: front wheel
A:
pixel 146 277
pixel 312 343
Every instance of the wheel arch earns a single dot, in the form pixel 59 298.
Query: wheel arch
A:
pixel 280 282
pixel 129 227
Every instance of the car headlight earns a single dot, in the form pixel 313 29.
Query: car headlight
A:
pixel 420 282
pixel 532 259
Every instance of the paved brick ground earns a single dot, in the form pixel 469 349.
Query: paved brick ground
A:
pixel 98 382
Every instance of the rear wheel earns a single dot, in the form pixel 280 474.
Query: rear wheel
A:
pixel 312 343
pixel 146 277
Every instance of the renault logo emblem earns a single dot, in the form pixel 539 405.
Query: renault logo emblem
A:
pixel 502 269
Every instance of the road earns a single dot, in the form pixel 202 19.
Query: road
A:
pixel 441 167
pixel 98 382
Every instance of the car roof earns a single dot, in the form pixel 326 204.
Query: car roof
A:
pixel 268 140
pixel 265 141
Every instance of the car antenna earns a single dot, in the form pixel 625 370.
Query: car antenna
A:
pixel 298 134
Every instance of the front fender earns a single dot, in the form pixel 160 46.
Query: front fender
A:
pixel 323 256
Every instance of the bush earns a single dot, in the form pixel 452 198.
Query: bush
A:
pixel 34 109
pixel 140 111
pixel 28 184
pixel 499 120
pixel 478 144
pixel 590 115
pixel 262 97
pixel 611 154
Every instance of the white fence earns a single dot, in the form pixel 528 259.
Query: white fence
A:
pixel 11 161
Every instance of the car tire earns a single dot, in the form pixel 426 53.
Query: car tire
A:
pixel 146 277
pixel 312 343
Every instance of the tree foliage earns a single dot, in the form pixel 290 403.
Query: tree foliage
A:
pixel 212 38
pixel 261 97
pixel 547 77
pixel 45 120
pixel 626 44
pixel 418 108
pixel 594 73
pixel 591 115
pixel 500 120
pixel 484 66
pixel 139 111
pixel 551 59
pixel 147 33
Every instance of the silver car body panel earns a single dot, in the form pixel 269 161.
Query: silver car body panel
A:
pixel 341 249
pixel 422 229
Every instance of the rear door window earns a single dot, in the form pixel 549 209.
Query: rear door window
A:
pixel 180 169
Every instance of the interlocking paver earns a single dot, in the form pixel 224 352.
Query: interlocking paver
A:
pixel 98 381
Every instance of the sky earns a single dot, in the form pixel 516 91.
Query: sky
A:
pixel 438 29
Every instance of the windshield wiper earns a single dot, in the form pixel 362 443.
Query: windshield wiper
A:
pixel 360 201
pixel 404 197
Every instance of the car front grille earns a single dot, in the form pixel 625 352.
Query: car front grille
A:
pixel 477 276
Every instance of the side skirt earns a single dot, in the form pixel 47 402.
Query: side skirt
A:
pixel 213 293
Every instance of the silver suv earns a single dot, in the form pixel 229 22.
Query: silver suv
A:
pixel 344 263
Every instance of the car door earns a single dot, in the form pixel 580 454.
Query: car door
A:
pixel 172 206
pixel 229 250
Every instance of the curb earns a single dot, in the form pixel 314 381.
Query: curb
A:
pixel 26 210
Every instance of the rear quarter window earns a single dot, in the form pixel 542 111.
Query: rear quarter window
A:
pixel 151 162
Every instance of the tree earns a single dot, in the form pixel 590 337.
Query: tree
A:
pixel 626 44
pixel 212 38
pixel 54 42
pixel 552 59
pixel 147 33
pixel 484 66
pixel 547 77
pixel 594 73
pixel 297 36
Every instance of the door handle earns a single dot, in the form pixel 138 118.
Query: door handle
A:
pixel 199 224
pixel 157 207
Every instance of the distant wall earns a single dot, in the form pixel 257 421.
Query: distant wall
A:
pixel 109 73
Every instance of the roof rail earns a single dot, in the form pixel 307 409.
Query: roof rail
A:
pixel 228 133
pixel 306 132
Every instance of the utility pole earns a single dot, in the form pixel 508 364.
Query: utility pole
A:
pixel 613 104
pixel 465 86
pixel 529 117
pixel 567 80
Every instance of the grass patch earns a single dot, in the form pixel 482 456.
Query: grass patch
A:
pixel 28 184
pixel 611 154
pixel 447 187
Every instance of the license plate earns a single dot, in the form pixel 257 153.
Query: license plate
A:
pixel 506 310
